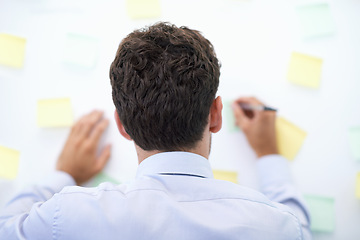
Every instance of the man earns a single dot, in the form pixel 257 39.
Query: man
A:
pixel 164 82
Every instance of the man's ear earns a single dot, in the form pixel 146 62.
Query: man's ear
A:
pixel 121 127
pixel 215 115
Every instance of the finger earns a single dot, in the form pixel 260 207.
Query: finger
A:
pixel 240 116
pixel 79 124
pixel 271 115
pixel 103 158
pixel 250 100
pixel 76 127
pixel 88 123
pixel 98 131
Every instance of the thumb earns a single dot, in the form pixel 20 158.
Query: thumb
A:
pixel 240 117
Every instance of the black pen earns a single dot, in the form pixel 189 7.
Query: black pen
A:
pixel 252 107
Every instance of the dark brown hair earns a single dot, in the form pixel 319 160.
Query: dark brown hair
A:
pixel 164 80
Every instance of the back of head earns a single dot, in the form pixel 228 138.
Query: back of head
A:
pixel 164 80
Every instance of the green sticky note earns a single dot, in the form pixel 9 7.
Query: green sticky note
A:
pixel 229 117
pixel 354 137
pixel 102 177
pixel 81 50
pixel 9 162
pixel 12 50
pixel 316 20
pixel 138 9
pixel 322 213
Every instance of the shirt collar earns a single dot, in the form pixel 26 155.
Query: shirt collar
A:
pixel 175 162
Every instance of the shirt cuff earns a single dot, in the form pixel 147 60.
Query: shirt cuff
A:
pixel 273 169
pixel 58 180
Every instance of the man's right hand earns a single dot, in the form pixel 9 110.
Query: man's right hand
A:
pixel 258 126
pixel 79 156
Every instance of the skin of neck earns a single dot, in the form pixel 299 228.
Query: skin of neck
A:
pixel 202 148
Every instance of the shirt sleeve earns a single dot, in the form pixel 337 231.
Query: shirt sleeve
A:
pixel 276 183
pixel 30 214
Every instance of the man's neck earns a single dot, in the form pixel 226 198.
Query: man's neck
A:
pixel 142 154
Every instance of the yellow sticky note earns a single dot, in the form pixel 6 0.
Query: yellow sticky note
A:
pixel 305 70
pixel 226 175
pixel 358 185
pixel 289 137
pixel 12 50
pixel 54 113
pixel 137 9
pixel 9 162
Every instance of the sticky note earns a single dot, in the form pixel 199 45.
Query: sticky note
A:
pixel 54 113
pixel 229 117
pixel 322 212
pixel 9 162
pixel 12 50
pixel 81 50
pixel 315 20
pixel 289 138
pixel 137 9
pixel 102 177
pixel 226 175
pixel 357 191
pixel 354 138
pixel 305 70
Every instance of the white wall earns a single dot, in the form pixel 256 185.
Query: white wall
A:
pixel 253 40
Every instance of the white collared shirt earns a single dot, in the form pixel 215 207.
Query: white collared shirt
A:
pixel 174 196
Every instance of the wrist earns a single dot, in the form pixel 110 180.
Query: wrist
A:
pixel 265 152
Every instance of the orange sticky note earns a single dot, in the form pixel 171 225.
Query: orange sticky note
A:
pixel 9 162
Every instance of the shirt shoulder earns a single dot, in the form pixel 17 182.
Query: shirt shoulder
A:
pixel 175 203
